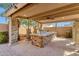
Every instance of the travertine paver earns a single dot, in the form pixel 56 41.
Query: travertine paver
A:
pixel 57 47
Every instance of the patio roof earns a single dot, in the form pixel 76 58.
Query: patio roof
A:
pixel 45 12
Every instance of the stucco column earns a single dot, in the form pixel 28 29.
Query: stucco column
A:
pixel 10 30
pixel 56 34
pixel 74 32
pixel 40 26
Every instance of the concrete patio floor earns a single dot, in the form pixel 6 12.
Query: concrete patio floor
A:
pixel 57 47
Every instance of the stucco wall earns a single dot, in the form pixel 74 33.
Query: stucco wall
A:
pixel 61 31
pixel 4 27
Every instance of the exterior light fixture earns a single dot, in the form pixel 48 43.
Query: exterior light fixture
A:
pixel 48 18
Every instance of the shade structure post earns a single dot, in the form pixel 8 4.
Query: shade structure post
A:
pixel 76 33
pixel 13 31
pixel 10 30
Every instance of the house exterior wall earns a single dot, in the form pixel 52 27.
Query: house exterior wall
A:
pixel 4 27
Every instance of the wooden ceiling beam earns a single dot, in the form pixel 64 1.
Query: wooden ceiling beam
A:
pixel 61 19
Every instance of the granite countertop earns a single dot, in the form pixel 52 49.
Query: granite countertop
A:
pixel 42 33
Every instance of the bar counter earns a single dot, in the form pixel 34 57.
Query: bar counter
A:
pixel 41 39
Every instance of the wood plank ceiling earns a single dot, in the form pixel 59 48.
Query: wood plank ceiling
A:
pixel 41 12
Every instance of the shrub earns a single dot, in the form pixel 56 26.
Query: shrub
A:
pixel 3 37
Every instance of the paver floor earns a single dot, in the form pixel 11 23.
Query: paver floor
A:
pixel 58 47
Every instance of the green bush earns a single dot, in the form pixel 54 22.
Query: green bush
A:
pixel 3 37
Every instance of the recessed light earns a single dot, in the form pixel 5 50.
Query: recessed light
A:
pixel 63 17
pixel 24 15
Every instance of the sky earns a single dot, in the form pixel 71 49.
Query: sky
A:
pixel 61 24
pixel 1 10
pixel 2 19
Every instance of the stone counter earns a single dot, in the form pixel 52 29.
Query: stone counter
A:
pixel 41 39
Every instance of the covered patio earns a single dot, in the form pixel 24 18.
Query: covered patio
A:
pixel 45 39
